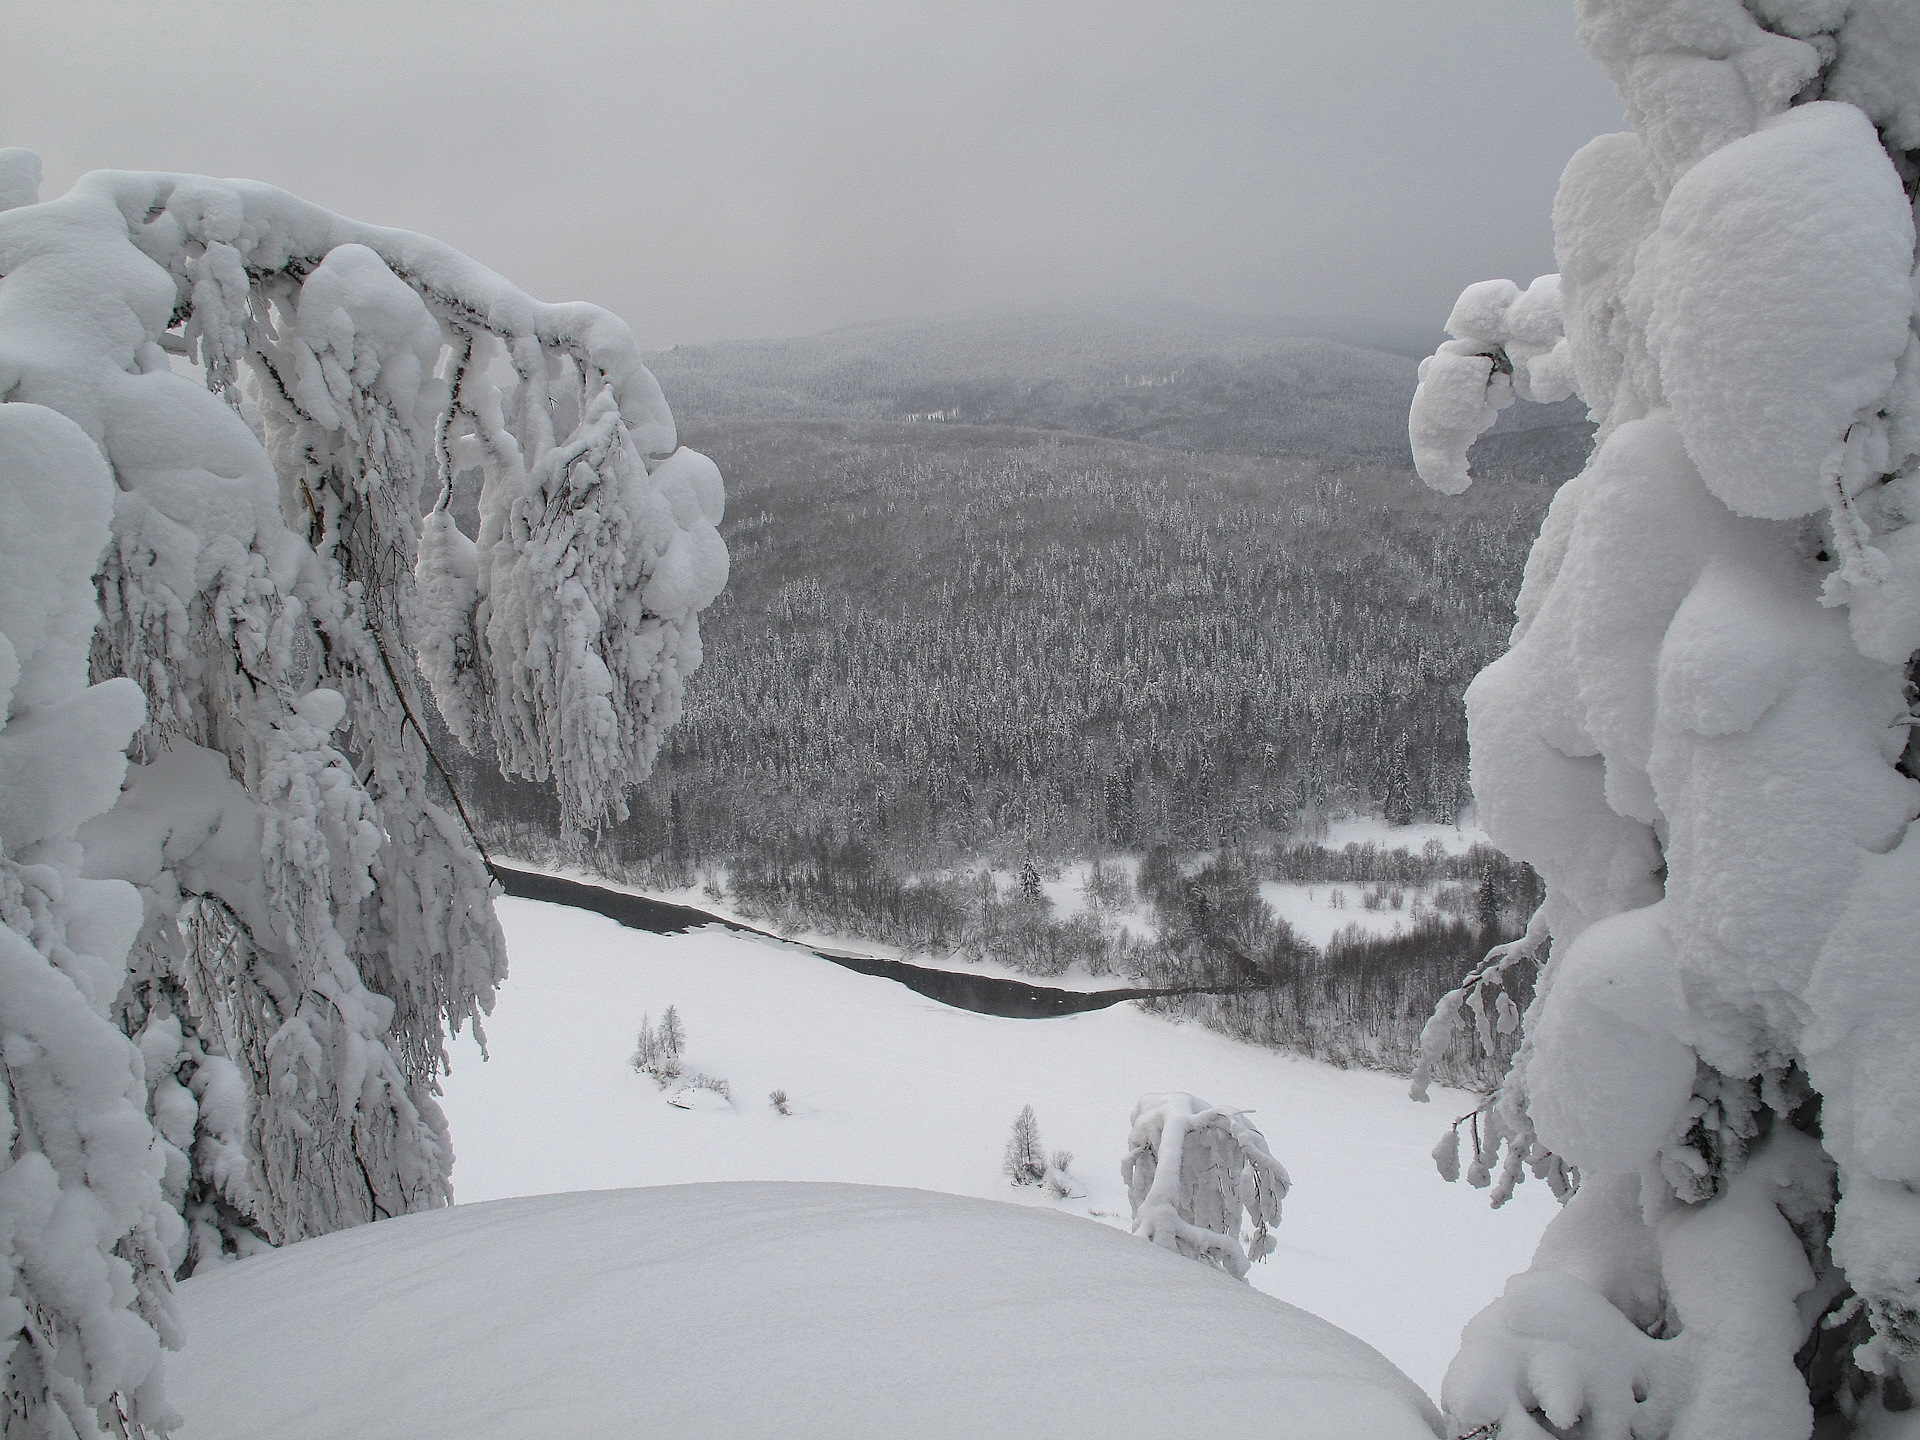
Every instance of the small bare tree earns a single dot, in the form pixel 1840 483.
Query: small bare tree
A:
pixel 1026 1158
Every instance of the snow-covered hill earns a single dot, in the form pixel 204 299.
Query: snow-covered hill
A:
pixel 736 1312
pixel 890 1089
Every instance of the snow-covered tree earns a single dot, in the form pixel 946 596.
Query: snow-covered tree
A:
pixel 261 402
pixel 1197 1176
pixel 1025 1162
pixel 88 1242
pixel 1701 738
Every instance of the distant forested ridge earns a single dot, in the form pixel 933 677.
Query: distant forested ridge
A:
pixel 1173 376
pixel 977 641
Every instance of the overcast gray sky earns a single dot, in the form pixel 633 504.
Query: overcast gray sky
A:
pixel 721 170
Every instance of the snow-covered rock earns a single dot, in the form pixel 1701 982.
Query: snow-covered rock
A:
pixel 768 1309
pixel 698 1097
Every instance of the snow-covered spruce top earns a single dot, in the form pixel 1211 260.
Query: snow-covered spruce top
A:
pixel 1697 736
pixel 275 906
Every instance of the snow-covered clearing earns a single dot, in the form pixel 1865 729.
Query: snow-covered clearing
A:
pixel 888 1088
pixel 737 1312
pixel 1319 912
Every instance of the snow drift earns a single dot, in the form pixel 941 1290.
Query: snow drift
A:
pixel 763 1309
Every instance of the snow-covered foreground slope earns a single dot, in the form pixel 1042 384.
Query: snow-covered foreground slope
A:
pixel 891 1089
pixel 733 1312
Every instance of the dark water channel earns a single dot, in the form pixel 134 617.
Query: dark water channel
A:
pixel 983 994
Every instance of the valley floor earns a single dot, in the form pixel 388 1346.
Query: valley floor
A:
pixel 890 1089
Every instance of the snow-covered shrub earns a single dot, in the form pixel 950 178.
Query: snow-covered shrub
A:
pixel 1059 1179
pixel 1197 1175
pixel 778 1099
pixel 277 907
pixel 1701 738
pixel 699 1091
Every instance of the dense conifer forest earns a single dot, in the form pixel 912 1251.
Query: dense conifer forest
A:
pixel 977 642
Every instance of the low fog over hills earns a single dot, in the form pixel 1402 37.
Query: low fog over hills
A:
pixel 1174 376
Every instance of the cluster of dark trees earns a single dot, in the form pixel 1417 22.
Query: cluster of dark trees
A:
pixel 1364 999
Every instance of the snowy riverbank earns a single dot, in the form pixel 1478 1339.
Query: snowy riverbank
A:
pixel 892 1089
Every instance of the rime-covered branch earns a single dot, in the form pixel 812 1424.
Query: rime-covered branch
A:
pixel 311 920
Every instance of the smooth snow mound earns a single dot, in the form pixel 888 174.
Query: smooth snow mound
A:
pixel 740 1310
pixel 699 1097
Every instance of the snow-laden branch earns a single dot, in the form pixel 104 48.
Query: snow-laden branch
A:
pixel 1196 1175
pixel 88 1242
pixel 1507 344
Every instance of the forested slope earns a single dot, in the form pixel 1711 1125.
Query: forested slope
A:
pixel 965 641
pixel 947 647
pixel 957 641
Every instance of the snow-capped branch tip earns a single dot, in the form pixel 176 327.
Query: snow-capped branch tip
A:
pixel 562 633
pixel 1507 343
pixel 1486 982
pixel 275 234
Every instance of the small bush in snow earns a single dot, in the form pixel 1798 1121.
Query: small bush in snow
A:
pixel 1191 1172
pixel 778 1098
pixel 700 1080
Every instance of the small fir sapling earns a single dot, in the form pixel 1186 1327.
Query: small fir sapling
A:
pixel 1026 1159
pixel 673 1034
pixel 1195 1173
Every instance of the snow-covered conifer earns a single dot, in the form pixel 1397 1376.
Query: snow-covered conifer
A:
pixel 673 1033
pixel 1025 1162
pixel 316 918
pixel 1701 738
pixel 1196 1175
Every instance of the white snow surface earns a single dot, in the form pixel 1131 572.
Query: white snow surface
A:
pixel 762 1310
pixel 889 1088
pixel 1321 911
